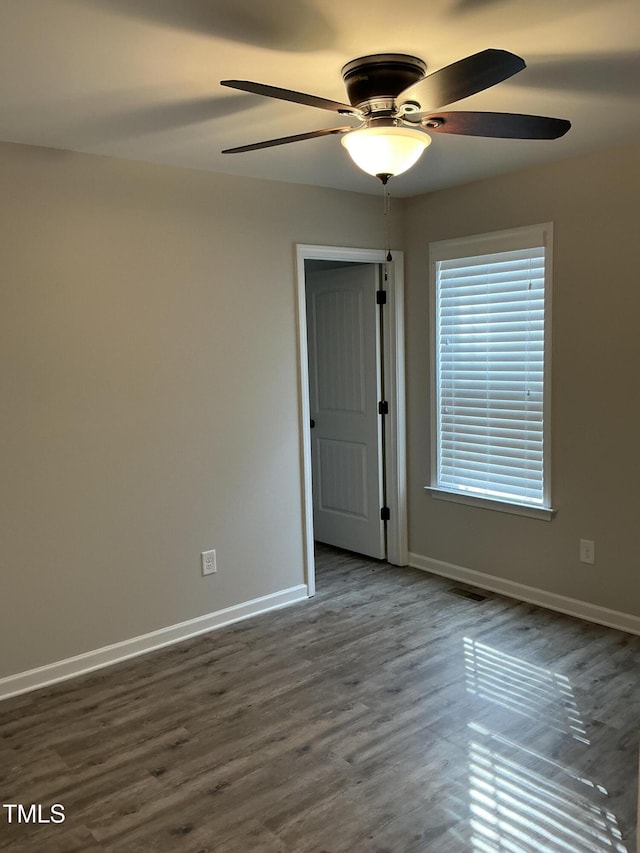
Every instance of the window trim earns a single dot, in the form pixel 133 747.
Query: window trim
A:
pixel 528 236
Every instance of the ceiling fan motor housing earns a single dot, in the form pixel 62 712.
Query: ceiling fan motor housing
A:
pixel 381 76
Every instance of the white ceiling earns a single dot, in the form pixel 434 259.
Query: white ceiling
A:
pixel 139 79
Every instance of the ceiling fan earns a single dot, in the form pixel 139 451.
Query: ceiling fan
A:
pixel 397 102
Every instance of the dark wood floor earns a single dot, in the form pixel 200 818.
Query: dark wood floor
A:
pixel 388 715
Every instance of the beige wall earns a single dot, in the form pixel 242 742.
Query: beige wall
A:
pixel 149 405
pixel 148 388
pixel 593 203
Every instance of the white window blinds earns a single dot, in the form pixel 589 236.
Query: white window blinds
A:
pixel 489 376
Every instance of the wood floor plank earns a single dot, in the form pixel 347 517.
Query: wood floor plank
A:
pixel 387 715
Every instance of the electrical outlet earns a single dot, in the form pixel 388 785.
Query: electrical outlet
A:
pixel 208 559
pixel 587 551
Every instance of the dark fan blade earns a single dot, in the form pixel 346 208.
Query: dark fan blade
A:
pixel 463 78
pixel 286 139
pixel 497 125
pixel 290 95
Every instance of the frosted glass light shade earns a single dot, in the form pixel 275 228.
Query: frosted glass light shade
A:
pixel 385 150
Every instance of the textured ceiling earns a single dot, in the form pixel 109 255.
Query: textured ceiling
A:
pixel 139 79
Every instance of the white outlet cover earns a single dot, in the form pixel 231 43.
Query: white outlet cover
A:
pixel 208 562
pixel 587 551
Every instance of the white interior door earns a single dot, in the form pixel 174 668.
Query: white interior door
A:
pixel 344 390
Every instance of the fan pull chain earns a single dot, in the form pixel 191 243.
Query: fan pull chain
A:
pixel 387 215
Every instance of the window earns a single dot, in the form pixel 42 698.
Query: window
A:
pixel 490 305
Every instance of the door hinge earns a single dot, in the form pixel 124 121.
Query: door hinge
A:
pixel 383 407
pixel 381 297
pixel 385 513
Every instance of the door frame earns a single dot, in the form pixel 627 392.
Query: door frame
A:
pixel 395 428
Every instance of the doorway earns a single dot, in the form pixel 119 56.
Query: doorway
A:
pixel 345 389
pixel 366 494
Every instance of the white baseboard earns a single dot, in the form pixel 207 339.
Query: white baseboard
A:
pixel 532 595
pixel 62 670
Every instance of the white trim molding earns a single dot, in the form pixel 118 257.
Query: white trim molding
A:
pixel 62 670
pixel 394 379
pixel 532 595
pixel 543 513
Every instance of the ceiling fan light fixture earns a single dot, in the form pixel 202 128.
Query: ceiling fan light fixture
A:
pixel 385 151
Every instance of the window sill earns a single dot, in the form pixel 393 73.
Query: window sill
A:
pixel 544 513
